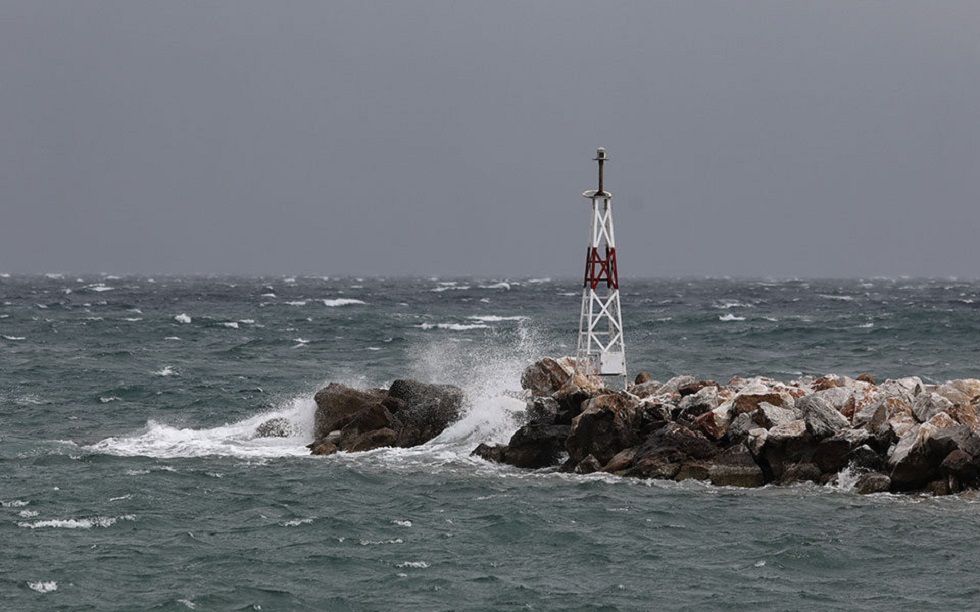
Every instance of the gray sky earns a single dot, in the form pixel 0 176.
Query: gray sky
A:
pixel 454 138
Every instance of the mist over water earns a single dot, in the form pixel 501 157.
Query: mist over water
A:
pixel 133 477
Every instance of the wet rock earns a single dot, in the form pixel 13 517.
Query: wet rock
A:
pixel 909 461
pixel 707 424
pixel 488 452
pixel 865 458
pixel 337 404
pixel 588 465
pixel 545 376
pixel 872 482
pixel 607 425
pixel 278 427
pixel 801 471
pixel 378 438
pixel 428 409
pixel 961 469
pixel 735 467
pixel 693 470
pixel 323 449
pixel 542 409
pixel 692 388
pixel 663 453
pixel 536 445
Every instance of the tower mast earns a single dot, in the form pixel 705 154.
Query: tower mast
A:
pixel 601 351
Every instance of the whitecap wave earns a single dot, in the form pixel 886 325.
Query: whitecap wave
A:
pixel 232 440
pixel 166 371
pixel 496 318
pixel 342 302
pixel 43 586
pixel 730 317
pixel 453 326
pixel 231 324
pixel 505 286
pixel 15 338
pixel 182 318
pixel 84 523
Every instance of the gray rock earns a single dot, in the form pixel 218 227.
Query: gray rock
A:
pixel 769 416
pixel 821 418
pixel 928 405
pixel 608 424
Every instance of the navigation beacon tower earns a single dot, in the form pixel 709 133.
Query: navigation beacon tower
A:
pixel 601 351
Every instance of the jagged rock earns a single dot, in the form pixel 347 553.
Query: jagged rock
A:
pixel 608 424
pixel 837 397
pixel 735 467
pixel 961 391
pixel 674 384
pixel 786 445
pixel 822 420
pixel 642 377
pixel 756 439
pixel 545 376
pixel 663 453
pixel 739 428
pixel 699 402
pixel 928 405
pixel 866 378
pixel 872 482
pixel 707 424
pixel 965 415
pixel 910 462
pixel 278 427
pixel 571 397
pixel 326 448
pixel 884 410
pixel 337 404
pixel 769 416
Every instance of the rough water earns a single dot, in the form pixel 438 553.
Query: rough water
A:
pixel 130 477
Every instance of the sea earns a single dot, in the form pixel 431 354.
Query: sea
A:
pixel 131 476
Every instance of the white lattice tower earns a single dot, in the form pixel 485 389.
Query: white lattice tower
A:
pixel 601 350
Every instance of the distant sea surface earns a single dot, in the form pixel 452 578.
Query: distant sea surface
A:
pixel 131 477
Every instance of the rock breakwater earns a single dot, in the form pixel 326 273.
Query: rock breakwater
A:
pixel 901 435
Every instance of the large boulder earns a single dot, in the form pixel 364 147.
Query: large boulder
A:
pixel 424 410
pixel 608 424
pixel 545 376
pixel 821 418
pixel 336 405
pixel 536 445
pixel 928 405
pixel 408 414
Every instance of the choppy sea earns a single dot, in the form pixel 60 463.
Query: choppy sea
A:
pixel 131 478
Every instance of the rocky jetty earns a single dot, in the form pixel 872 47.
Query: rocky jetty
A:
pixel 900 435
pixel 407 414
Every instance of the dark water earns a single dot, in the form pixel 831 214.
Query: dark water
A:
pixel 130 477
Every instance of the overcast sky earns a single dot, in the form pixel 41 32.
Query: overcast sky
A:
pixel 455 138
